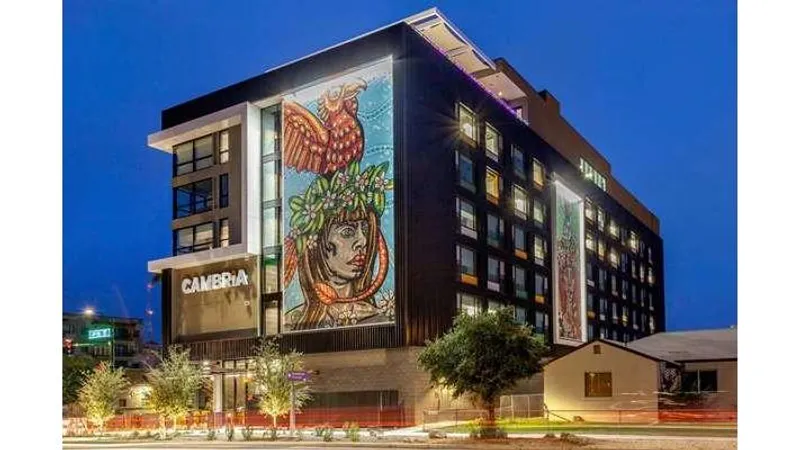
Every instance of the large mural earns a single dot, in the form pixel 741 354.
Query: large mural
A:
pixel 338 204
pixel 569 279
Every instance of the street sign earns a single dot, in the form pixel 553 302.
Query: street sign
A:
pixel 298 376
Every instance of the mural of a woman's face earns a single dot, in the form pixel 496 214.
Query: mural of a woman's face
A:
pixel 346 255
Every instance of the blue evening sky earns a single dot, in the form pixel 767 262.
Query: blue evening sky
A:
pixel 652 85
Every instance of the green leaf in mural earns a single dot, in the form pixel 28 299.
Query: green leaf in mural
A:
pixel 380 203
pixel 296 203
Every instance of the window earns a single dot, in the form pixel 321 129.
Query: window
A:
pixel 614 312
pixel 540 282
pixel 613 258
pixel 624 315
pixel 466 265
pixel 651 279
pixel 193 155
pixel 590 173
pixel 590 332
pixel 602 279
pixel 601 249
pixel 541 323
pixel 589 274
pixel 590 242
pixel 519 282
pixel 633 240
pixel 518 160
pixel 641 271
pixel 224 233
pixel 492 142
pixel 466 172
pixel 539 250
pixel 520 314
pixel 494 232
pixel 466 122
pixel 493 186
pixel 271 263
pixel 589 211
pixel 538 173
pixel 224 147
pixel 193 239
pixel 601 219
pixel 613 229
pixel 603 332
pixel 493 305
pixel 603 308
pixel 518 236
pixel 270 181
pixel 650 301
pixel 597 384
pixel 466 217
pixel 590 305
pixel 495 274
pixel 624 289
pixel 520 202
pixel 468 304
pixel 699 381
pixel 614 290
pixel 538 212
pixel 650 255
pixel 192 198
pixel 223 190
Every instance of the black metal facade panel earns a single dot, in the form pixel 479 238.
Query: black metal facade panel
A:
pixel 345 339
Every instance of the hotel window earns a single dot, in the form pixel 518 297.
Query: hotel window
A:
pixel 538 212
pixel 590 305
pixel 192 198
pixel 597 384
pixel 492 142
pixel 193 155
pixel 465 258
pixel 624 315
pixel 540 286
pixel 634 272
pixel 539 250
pixel 651 279
pixel 466 172
pixel 699 381
pixel 468 304
pixel 635 320
pixel 519 282
pixel 603 332
pixel 601 249
pixel 270 227
pixel 541 324
pixel 633 240
pixel 641 271
pixel 271 263
pixel 493 306
pixel 589 211
pixel 590 173
pixel 614 290
pixel 520 202
pixel 494 232
pixel 650 255
pixel 613 229
pixel 590 242
pixel 224 147
pixel 603 308
pixel 494 186
pixel 466 217
pixel 538 173
pixel 602 279
pixel 518 160
pixel 518 236
pixel 495 273
pixel 614 312
pixel 589 332
pixel 193 239
pixel 589 274
pixel 613 258
pixel 223 190
pixel 270 187
pixel 650 301
pixel 601 219
pixel 520 314
pixel 624 289
pixel 224 233
pixel 466 122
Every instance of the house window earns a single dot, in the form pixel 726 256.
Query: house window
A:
pixel 699 381
pixel 194 155
pixel 589 211
pixel 597 384
pixel 520 202
pixel 493 186
pixel 466 122
pixel 495 274
pixel 466 217
pixel 465 258
pixel 613 229
pixel 590 242
pixel 538 212
pixel 494 232
pixel 193 239
pixel 468 304
pixel 223 190
pixel 224 233
pixel 224 147
pixel 492 142
pixel 518 236
pixel 466 172
pixel 518 160
pixel 192 198
pixel 538 173
pixel 541 323
pixel 540 286
pixel 539 250
pixel 519 282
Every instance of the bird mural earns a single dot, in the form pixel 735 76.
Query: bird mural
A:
pixel 329 142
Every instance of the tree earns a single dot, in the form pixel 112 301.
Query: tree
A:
pixel 272 382
pixel 172 385
pixel 74 370
pixel 100 393
pixel 482 356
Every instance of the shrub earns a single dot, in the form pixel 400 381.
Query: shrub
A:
pixel 351 431
pixel 211 435
pixel 327 434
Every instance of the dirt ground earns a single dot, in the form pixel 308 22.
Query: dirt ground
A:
pixel 605 444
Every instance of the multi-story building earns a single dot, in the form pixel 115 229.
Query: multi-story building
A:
pixel 353 201
pixel 91 335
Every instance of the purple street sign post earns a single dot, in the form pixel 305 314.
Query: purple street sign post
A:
pixel 295 376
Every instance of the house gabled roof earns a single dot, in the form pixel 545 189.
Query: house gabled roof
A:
pixel 690 346
pixel 618 345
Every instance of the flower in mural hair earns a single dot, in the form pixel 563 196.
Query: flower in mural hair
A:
pixel 347 316
pixel 385 304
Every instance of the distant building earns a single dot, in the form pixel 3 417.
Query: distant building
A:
pixel 605 380
pixel 87 335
